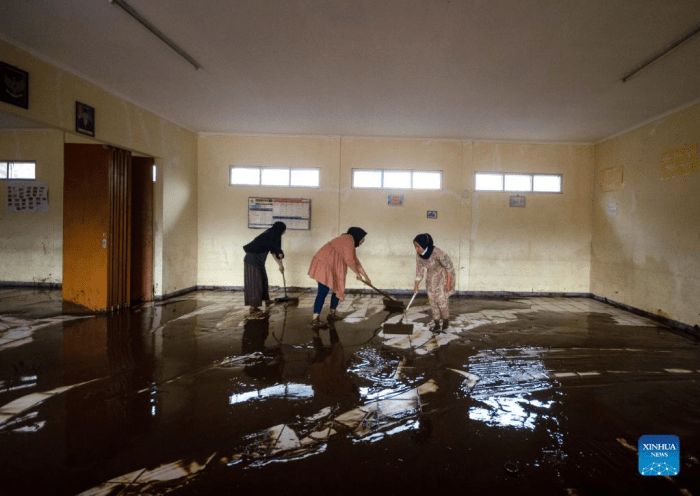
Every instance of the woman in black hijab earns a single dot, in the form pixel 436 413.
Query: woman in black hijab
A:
pixel 439 280
pixel 254 275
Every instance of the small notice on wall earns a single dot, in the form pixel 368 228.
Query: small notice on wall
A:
pixel 679 162
pixel 294 212
pixel 612 179
pixel 517 201
pixel 27 196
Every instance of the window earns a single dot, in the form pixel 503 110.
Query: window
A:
pixel 535 183
pixel 396 179
pixel 275 176
pixel 155 175
pixel 18 170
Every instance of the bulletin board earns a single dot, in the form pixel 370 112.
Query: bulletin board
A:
pixel 294 212
pixel 27 196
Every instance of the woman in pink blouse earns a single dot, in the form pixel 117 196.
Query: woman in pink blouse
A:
pixel 329 267
pixel 439 279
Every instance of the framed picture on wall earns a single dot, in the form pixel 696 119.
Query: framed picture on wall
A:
pixel 84 119
pixel 15 86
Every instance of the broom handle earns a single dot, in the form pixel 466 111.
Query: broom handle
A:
pixel 285 284
pixel 409 303
pixel 378 290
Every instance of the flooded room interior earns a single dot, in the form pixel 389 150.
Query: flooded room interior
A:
pixel 349 247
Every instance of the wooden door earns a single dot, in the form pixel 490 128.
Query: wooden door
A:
pixel 96 219
pixel 142 229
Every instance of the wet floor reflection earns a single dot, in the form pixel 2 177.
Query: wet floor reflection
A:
pixel 195 396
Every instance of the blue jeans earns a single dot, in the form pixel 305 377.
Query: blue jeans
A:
pixel 321 297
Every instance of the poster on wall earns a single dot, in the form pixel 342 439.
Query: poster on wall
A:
pixel 28 196
pixel 294 212
pixel 680 162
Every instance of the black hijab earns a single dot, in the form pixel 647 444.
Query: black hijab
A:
pixel 357 234
pixel 425 240
pixel 270 240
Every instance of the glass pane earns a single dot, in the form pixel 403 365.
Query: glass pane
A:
pixel 397 179
pixel 245 175
pixel 488 182
pixel 518 182
pixel 275 177
pixel 22 170
pixel 427 180
pixel 3 170
pixel 306 177
pixel 547 184
pixel 154 173
pixel 366 179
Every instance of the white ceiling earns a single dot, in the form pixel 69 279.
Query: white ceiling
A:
pixel 536 70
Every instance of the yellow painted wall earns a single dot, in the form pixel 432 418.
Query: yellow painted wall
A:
pixel 223 209
pixel 544 247
pixel 52 97
pixel 646 233
pixel 387 254
pixel 31 243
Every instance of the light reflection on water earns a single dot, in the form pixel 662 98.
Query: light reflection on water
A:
pixel 287 391
pixel 507 378
pixel 507 411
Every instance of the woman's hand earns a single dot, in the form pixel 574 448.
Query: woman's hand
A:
pixel 415 287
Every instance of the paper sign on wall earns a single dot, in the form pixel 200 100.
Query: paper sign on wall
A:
pixel 294 212
pixel 27 196
pixel 612 179
pixel 679 162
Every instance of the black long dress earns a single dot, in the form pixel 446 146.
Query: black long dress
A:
pixel 255 286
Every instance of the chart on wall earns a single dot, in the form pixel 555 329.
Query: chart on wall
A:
pixel 294 212
pixel 27 196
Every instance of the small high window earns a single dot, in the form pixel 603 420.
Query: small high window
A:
pixel 396 179
pixel 275 176
pixel 18 170
pixel 532 183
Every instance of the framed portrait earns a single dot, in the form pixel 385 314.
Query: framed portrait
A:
pixel 15 86
pixel 84 119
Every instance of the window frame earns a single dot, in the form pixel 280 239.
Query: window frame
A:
pixel 532 182
pixel 260 169
pixel 8 164
pixel 382 187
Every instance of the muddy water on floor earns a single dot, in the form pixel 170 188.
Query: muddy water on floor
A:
pixel 192 396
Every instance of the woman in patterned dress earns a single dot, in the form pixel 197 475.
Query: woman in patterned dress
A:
pixel 330 266
pixel 439 279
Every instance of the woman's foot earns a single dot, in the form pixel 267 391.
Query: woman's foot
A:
pixel 256 313
pixel 435 327
pixel 317 324
pixel 333 315
pixel 445 324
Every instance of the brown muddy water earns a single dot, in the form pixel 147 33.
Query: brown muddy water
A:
pixel 191 396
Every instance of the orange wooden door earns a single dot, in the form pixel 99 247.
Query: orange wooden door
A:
pixel 96 218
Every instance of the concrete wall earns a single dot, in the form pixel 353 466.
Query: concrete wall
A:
pixel 543 247
pixel 646 228
pixel 31 243
pixel 53 93
pixel 223 209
